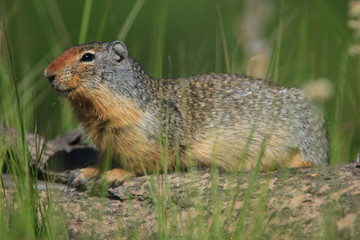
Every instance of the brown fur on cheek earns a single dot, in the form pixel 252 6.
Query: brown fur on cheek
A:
pixel 74 77
pixel 71 79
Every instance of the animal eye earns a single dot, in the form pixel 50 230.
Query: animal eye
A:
pixel 87 57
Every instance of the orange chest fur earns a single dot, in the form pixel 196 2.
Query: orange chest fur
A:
pixel 115 125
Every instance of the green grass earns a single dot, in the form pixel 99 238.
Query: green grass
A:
pixel 168 38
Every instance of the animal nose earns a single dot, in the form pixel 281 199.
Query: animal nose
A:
pixel 49 75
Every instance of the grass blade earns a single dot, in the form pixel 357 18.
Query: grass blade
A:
pixel 130 19
pixel 85 21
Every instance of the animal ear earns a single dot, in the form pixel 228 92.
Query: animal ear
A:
pixel 119 50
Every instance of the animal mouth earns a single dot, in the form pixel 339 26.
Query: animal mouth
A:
pixel 66 91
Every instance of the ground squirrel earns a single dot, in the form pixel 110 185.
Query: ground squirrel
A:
pixel 229 120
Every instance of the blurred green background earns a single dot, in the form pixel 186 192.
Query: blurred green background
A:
pixel 303 40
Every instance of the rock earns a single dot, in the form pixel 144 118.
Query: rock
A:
pixel 58 158
pixel 304 203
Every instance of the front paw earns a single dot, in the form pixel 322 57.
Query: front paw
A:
pixel 115 177
pixel 83 176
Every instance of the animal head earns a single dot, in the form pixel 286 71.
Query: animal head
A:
pixel 89 66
